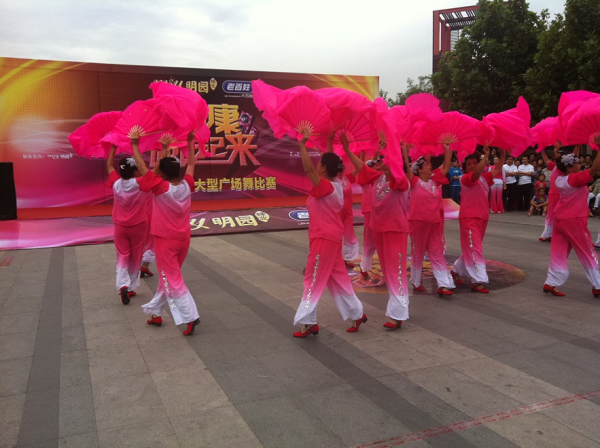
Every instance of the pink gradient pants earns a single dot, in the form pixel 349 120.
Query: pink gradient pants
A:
pixel 350 242
pixel 429 237
pixel 170 255
pixel 472 262
pixel 325 267
pixel 149 255
pixel 572 234
pixel 549 224
pixel 392 247
pixel 496 203
pixel 129 242
pixel 369 248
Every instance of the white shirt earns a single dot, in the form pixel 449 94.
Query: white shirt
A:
pixel 525 169
pixel 510 169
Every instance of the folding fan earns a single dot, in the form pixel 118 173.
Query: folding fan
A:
pixel 86 138
pixel 148 118
pixel 546 133
pixel 508 130
pixel 399 115
pixel 454 127
pixel 304 109
pixel 584 126
pixel 423 107
pixel 349 115
pixel 183 102
pixel 384 128
pixel 569 105
pixel 268 99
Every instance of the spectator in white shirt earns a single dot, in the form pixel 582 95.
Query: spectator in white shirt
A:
pixel 509 170
pixel 524 190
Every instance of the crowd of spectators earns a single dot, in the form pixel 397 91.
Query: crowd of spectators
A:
pixel 524 183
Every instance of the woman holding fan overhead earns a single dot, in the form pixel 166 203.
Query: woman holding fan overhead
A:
pixel 473 218
pixel 389 215
pixel 426 220
pixel 171 230
pixel 325 265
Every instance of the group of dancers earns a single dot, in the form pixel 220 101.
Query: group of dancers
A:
pixel 395 205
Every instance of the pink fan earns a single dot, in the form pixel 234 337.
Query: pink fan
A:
pixel 454 127
pixel 86 139
pixel 349 115
pixel 304 109
pixel 569 105
pixel 399 115
pixel 186 107
pixel 268 99
pixel 584 126
pixel 546 133
pixel 384 128
pixel 148 118
pixel 508 130
pixel 423 107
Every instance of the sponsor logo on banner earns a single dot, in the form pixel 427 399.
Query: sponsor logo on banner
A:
pixel 237 87
pixel 299 215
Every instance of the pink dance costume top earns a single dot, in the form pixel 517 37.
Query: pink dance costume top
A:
pixel 129 207
pixel 347 182
pixel 474 201
pixel 172 203
pixel 426 203
pixel 367 198
pixel 554 174
pixel 324 205
pixel 573 196
pixel 389 200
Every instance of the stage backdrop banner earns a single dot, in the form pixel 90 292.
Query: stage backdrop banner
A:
pixel 42 102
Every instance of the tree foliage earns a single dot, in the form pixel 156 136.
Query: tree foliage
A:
pixel 423 86
pixel 486 71
pixel 568 57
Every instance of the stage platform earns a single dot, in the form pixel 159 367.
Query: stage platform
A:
pixel 516 367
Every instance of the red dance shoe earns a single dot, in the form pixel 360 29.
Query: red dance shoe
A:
pixel 313 329
pixel 155 321
pixel 419 288
pixel 393 326
pixel 191 327
pixel 478 287
pixel 456 278
pixel 349 265
pixel 444 292
pixel 356 324
pixel 364 274
pixel 131 293
pixel 554 291
pixel 145 272
pixel 596 292
pixel 124 295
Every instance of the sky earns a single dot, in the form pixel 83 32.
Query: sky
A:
pixel 391 39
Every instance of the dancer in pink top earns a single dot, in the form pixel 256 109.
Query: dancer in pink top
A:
pixel 497 189
pixel 325 265
pixel 553 192
pixel 366 263
pixel 570 224
pixel 426 220
pixel 171 230
pixel 129 216
pixel 349 242
pixel 390 227
pixel 148 256
pixel 473 219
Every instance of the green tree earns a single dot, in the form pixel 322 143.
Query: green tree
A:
pixel 486 71
pixel 568 57
pixel 423 86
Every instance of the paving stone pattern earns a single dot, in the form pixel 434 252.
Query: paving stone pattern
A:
pixel 79 369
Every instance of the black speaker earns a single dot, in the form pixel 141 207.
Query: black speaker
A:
pixel 8 195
